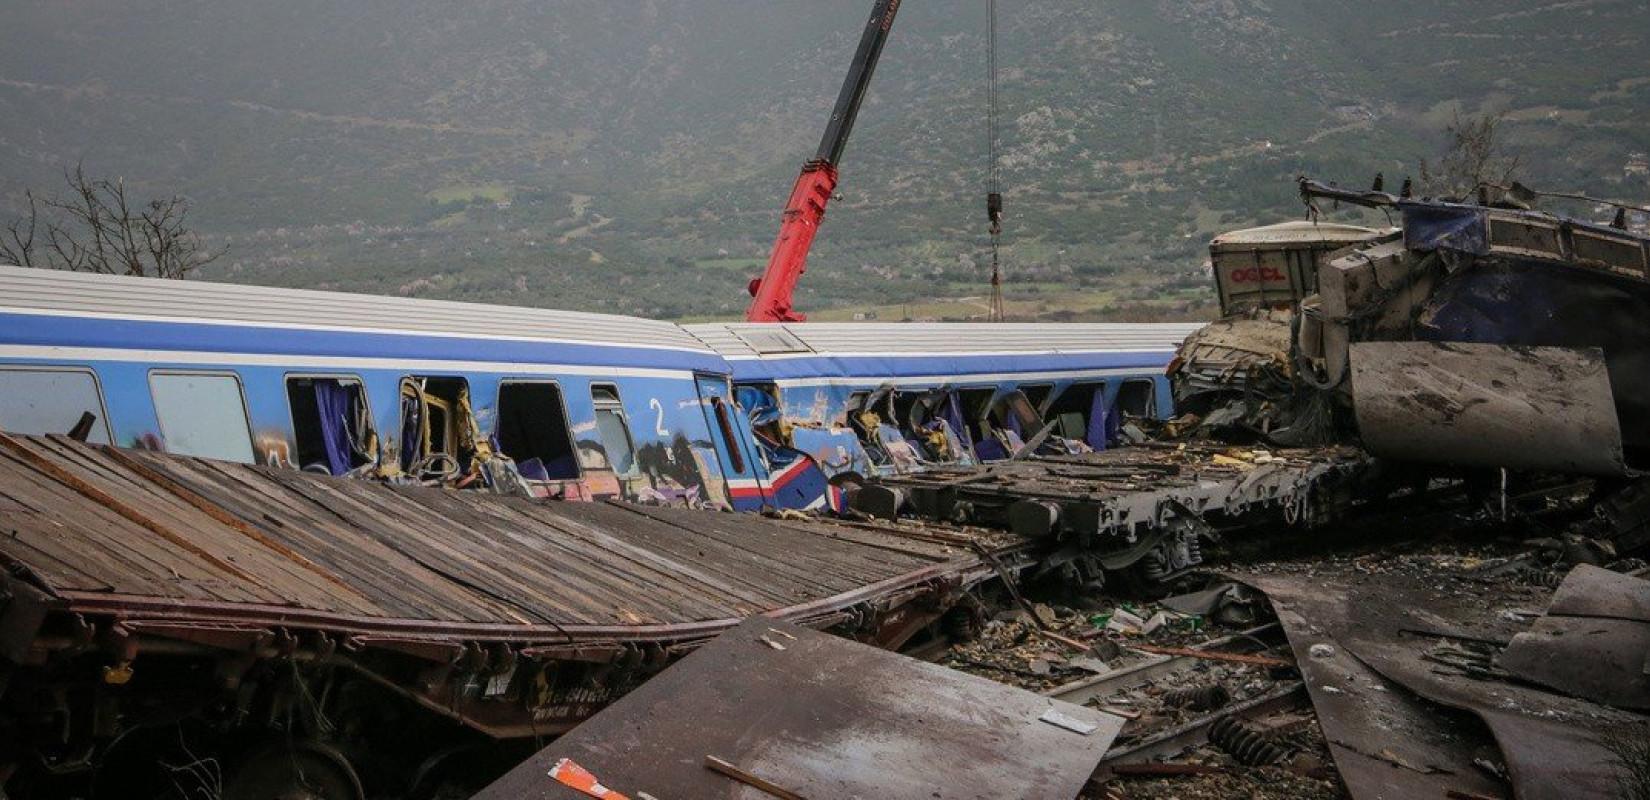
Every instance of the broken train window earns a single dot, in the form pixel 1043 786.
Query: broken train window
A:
pixel 332 424
pixel 1082 413
pixel 1137 398
pixel 613 428
pixel 532 430
pixel 438 432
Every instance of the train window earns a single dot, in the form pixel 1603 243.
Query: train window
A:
pixel 854 404
pixel 532 429
pixel 976 403
pixel 1076 409
pixel 332 423
pixel 438 434
pixel 1136 398
pixel 735 456
pixel 37 401
pixel 1037 394
pixel 615 430
pixel 202 414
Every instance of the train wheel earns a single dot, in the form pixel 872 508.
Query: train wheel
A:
pixel 293 771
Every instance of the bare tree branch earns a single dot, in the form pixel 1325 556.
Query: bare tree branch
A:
pixel 97 229
pixel 1478 156
pixel 17 242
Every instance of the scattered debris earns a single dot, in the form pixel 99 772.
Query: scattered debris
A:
pixel 1198 698
pixel 1250 745
pixel 750 779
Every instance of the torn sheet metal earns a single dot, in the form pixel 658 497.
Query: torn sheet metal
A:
pixel 1387 744
pixel 1540 408
pixel 1594 641
pixel 1374 623
pixel 825 717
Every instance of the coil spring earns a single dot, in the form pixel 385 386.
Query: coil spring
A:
pixel 1194 551
pixel 1198 698
pixel 1251 746
pixel 962 624
pixel 1550 578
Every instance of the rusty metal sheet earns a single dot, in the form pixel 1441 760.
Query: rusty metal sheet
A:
pixel 1594 641
pixel 823 717
pixel 1487 405
pixel 174 538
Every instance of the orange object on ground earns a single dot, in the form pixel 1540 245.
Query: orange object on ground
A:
pixel 570 774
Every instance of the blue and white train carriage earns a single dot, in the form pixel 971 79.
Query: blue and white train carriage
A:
pixel 576 405
pixel 556 404
pixel 875 398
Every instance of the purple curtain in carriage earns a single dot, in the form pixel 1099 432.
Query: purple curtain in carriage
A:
pixel 332 403
pixel 1096 435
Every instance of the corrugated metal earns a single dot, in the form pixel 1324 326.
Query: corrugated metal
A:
pixel 111 529
pixel 746 340
pixel 114 295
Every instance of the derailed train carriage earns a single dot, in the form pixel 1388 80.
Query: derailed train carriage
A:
pixel 864 400
pixel 549 403
pixel 553 404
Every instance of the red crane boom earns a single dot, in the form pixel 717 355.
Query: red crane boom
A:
pixel 814 188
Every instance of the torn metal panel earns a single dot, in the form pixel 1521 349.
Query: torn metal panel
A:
pixel 1371 621
pixel 1387 744
pixel 1488 405
pixel 1594 641
pixel 824 717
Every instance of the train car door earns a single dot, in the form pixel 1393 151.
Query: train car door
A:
pixel 735 452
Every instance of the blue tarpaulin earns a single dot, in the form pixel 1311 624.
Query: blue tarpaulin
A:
pixel 1429 227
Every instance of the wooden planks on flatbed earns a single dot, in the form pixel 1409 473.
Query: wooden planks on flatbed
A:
pixel 86 520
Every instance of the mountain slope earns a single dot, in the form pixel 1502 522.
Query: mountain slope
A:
pixel 610 155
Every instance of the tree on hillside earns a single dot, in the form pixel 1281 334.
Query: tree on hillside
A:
pixel 1478 156
pixel 96 229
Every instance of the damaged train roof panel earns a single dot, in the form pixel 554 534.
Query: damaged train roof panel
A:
pixel 820 716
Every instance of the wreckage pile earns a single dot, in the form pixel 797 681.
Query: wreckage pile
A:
pixel 1403 664
pixel 1139 513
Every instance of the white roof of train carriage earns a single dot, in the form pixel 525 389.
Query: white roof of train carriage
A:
pixel 753 340
pixel 60 293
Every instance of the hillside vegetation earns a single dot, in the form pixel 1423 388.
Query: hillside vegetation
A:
pixel 633 156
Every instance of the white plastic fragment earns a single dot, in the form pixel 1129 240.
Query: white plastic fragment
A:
pixel 1060 719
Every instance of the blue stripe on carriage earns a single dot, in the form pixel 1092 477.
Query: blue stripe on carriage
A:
pixel 68 331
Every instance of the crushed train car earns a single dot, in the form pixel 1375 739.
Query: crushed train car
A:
pixel 1470 335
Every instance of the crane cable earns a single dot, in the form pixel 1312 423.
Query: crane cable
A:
pixel 994 197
